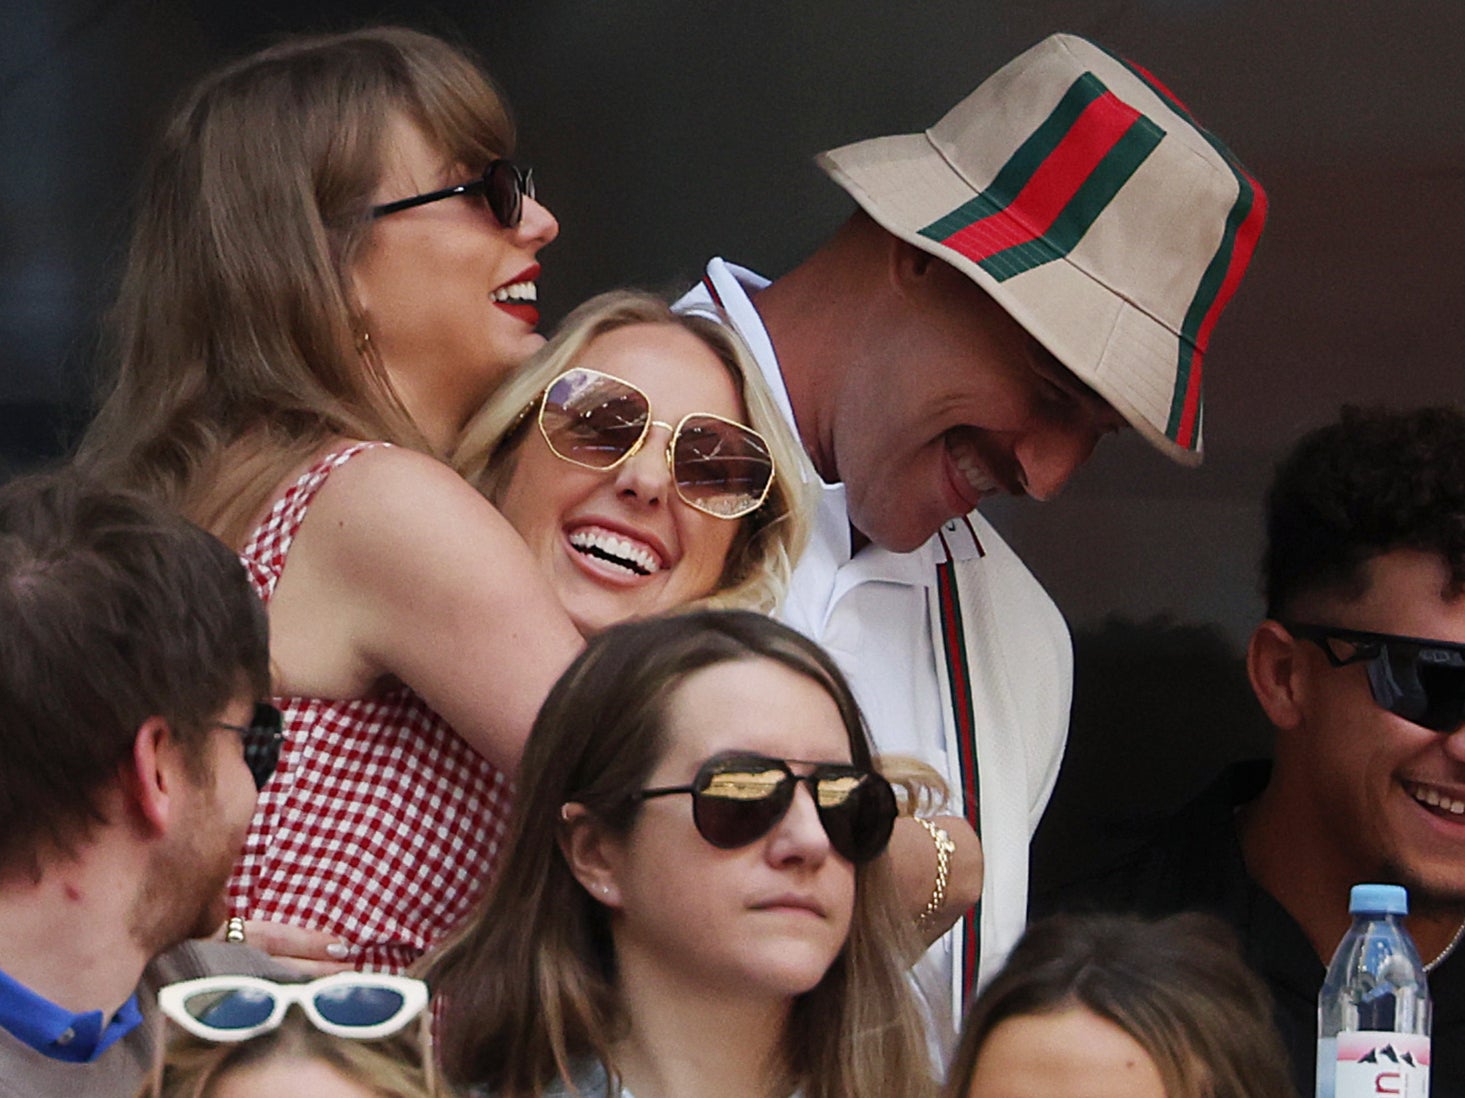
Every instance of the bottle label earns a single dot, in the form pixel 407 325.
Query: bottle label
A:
pixel 1373 1063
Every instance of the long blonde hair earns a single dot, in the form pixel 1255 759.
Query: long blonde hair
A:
pixel 770 540
pixel 391 1067
pixel 528 988
pixel 237 346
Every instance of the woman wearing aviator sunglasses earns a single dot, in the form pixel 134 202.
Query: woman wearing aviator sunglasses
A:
pixel 620 444
pixel 698 847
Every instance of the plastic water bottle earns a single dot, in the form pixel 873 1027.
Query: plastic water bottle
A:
pixel 1373 1011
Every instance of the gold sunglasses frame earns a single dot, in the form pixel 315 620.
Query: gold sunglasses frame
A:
pixel 670 450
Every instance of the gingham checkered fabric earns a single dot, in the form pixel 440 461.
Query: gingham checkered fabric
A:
pixel 380 822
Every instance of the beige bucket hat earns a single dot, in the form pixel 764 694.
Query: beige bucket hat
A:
pixel 1079 193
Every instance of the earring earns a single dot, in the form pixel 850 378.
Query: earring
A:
pixel 361 331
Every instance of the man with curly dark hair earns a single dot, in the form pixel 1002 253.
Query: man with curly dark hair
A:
pixel 1368 485
pixel 1360 667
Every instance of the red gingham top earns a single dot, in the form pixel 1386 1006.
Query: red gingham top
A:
pixel 380 822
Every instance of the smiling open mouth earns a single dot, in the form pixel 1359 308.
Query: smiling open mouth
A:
pixel 615 550
pixel 1434 799
pixel 969 463
pixel 516 293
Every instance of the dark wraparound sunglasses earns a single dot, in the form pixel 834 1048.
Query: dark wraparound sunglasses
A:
pixel 262 737
pixel 737 799
pixel 1418 679
pixel 504 186
pixel 597 421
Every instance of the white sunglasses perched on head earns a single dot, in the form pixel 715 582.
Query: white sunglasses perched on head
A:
pixel 361 1005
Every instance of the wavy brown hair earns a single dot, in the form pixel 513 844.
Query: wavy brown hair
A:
pixel 528 989
pixel 234 332
pixel 1177 985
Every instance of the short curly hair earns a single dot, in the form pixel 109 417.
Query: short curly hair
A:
pixel 1371 483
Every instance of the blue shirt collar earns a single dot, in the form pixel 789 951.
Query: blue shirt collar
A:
pixel 54 1031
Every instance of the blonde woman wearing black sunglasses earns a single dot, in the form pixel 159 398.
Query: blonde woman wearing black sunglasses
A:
pixel 697 897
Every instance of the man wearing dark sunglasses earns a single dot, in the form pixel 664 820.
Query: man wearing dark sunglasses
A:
pixel 1042 267
pixel 1360 667
pixel 132 650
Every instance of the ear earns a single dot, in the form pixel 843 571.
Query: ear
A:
pixel 591 853
pixel 1273 666
pixel 911 269
pixel 151 775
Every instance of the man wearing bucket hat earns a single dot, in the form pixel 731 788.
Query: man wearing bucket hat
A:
pixel 1043 266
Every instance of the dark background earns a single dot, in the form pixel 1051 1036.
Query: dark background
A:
pixel 666 132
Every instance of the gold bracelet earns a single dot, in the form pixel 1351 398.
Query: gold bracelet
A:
pixel 944 849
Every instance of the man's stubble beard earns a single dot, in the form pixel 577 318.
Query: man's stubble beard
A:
pixel 183 895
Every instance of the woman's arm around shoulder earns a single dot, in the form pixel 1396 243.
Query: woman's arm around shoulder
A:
pixel 401 570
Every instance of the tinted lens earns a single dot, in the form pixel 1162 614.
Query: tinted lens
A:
pixel 738 802
pixel 1442 675
pixel 591 419
pixel 236 1009
pixel 721 468
pixel 857 808
pixel 1422 684
pixel 358 1006
pixel 504 188
pixel 262 743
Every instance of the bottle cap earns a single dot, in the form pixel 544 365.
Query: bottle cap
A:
pixel 1378 899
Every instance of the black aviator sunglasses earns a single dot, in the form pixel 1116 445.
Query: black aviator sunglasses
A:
pixel 262 737
pixel 504 185
pixel 737 799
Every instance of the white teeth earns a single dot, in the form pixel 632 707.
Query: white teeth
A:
pixel 1428 795
pixel 615 550
pixel 971 468
pixel 517 291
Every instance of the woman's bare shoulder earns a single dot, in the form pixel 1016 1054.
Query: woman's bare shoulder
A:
pixel 387 496
pixel 394 537
pixel 422 579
